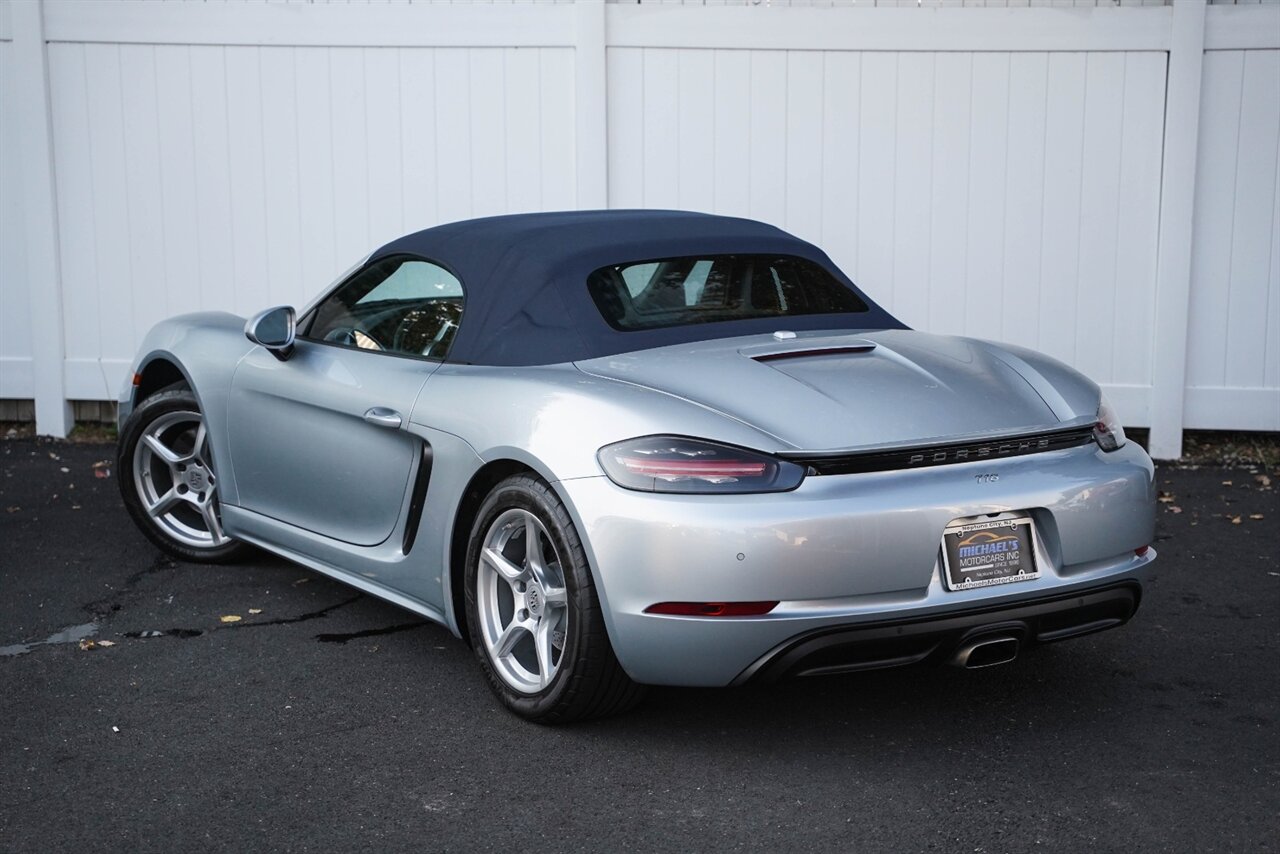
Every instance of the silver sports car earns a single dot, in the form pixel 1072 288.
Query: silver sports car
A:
pixel 618 448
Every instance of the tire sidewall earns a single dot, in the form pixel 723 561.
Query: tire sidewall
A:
pixel 520 492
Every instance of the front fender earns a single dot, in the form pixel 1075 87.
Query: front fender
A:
pixel 205 348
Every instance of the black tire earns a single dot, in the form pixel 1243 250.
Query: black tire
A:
pixel 589 682
pixel 170 402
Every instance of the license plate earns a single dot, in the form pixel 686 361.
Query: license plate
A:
pixel 982 554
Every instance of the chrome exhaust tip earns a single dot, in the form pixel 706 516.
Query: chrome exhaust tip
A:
pixel 986 652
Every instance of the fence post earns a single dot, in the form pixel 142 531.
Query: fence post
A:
pixel 40 218
pixel 1177 199
pixel 590 108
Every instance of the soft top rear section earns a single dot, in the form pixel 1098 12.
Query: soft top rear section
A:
pixel 525 278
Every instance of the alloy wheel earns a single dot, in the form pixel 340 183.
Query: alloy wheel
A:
pixel 174 477
pixel 521 601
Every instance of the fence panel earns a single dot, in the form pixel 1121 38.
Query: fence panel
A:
pixel 232 178
pixel 16 379
pixel 997 172
pixel 1233 359
pixel 1012 196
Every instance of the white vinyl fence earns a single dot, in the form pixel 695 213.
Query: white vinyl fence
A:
pixel 1099 183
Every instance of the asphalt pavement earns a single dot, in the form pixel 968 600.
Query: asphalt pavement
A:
pixel 324 720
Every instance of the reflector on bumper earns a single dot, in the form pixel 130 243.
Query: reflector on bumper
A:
pixel 711 609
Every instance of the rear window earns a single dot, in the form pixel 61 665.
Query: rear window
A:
pixel 712 288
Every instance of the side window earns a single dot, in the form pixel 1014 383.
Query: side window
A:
pixel 397 305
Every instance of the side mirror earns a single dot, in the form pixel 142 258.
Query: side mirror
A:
pixel 273 328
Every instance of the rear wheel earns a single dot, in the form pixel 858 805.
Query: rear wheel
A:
pixel 168 480
pixel 533 613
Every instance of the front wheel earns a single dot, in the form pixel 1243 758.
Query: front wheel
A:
pixel 168 480
pixel 532 611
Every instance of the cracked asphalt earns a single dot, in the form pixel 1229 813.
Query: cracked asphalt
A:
pixel 324 720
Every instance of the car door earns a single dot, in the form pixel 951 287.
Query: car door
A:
pixel 318 441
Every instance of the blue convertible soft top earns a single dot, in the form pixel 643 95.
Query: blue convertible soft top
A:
pixel 525 280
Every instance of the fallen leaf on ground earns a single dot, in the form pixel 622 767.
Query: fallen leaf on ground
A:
pixel 106 643
pixel 230 618
pixel 1226 483
pixel 1165 497
pixel 255 610
pixel 1263 480
pixel 1173 508
pixel 1235 520
pixel 13 509
pixel 1255 515
pixel 87 644
pixel 102 468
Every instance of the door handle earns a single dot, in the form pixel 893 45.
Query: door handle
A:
pixel 381 416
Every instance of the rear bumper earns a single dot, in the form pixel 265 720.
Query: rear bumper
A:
pixel 846 551
pixel 894 643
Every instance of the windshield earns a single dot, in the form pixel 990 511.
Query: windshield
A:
pixel 707 289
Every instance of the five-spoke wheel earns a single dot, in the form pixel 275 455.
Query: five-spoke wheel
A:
pixel 170 485
pixel 521 601
pixel 532 611
pixel 172 473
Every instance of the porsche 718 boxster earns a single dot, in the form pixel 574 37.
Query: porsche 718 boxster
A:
pixel 618 448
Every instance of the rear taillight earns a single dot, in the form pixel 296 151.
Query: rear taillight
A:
pixel 1107 431
pixel 676 464
pixel 712 471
